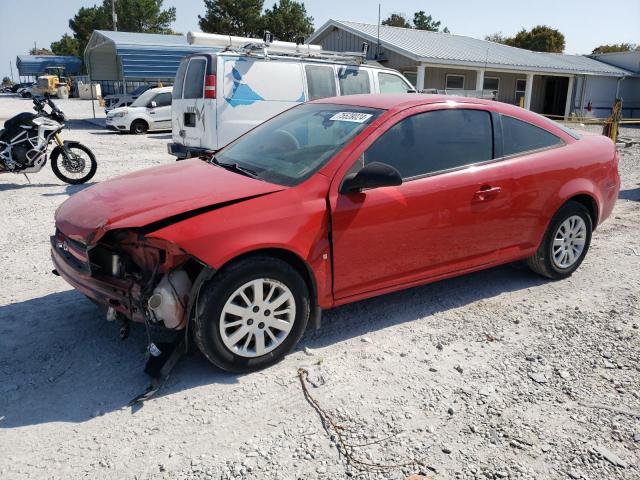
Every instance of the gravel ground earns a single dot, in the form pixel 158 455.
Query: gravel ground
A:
pixel 498 374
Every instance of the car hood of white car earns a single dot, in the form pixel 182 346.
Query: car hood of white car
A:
pixel 125 110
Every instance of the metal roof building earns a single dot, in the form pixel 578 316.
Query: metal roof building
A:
pixel 34 65
pixel 547 83
pixel 124 56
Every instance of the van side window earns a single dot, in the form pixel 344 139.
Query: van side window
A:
pixel 353 81
pixel 390 83
pixel 435 141
pixel 321 82
pixel 163 99
pixel 177 87
pixel 194 83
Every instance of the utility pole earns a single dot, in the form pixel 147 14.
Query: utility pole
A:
pixel 114 16
pixel 11 68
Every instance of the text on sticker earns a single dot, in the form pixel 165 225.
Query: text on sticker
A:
pixel 351 117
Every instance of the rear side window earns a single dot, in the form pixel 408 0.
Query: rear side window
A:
pixel 177 88
pixel 519 137
pixel 354 81
pixel 194 81
pixel 321 82
pixel 390 83
pixel 435 141
pixel 163 99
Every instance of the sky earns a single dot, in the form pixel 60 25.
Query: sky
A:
pixel 585 23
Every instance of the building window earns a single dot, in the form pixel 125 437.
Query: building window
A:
pixel 491 83
pixel 455 82
pixel 521 85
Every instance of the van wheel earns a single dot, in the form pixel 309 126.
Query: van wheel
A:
pixel 565 242
pixel 139 127
pixel 251 314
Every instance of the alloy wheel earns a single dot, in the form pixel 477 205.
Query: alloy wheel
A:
pixel 257 317
pixel 569 242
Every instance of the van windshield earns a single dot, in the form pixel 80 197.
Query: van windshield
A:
pixel 293 146
pixel 144 99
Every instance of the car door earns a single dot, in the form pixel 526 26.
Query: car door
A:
pixel 449 214
pixel 161 113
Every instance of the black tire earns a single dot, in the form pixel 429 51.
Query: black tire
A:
pixel 214 295
pixel 139 127
pixel 542 261
pixel 57 153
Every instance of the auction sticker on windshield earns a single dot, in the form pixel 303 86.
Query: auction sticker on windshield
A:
pixel 356 117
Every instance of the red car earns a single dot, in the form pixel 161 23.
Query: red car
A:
pixel 332 202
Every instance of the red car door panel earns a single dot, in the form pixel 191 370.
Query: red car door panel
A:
pixel 422 228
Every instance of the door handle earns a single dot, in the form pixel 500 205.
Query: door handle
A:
pixel 486 193
pixel 152 113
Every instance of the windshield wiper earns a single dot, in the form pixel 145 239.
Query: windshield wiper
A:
pixel 235 167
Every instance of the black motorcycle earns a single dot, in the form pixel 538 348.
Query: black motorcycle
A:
pixel 26 137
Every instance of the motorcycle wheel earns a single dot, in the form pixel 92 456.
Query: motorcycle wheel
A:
pixel 75 165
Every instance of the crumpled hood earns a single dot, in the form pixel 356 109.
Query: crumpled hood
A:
pixel 152 195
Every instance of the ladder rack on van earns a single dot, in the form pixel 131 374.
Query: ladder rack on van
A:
pixel 250 46
pixel 262 50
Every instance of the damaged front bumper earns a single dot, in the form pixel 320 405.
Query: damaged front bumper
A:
pixel 71 261
pixel 135 278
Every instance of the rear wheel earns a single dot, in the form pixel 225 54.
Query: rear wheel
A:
pixel 138 127
pixel 75 164
pixel 565 243
pixel 251 314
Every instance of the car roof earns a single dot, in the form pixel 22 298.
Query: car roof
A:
pixel 388 101
pixel 160 89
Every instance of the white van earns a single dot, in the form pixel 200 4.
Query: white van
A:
pixel 219 96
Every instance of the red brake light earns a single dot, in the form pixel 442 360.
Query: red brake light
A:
pixel 210 86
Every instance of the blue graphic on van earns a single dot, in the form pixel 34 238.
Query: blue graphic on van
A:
pixel 301 99
pixel 241 93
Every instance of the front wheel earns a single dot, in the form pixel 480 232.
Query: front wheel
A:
pixel 73 164
pixel 251 314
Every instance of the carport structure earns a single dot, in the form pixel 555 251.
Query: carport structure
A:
pixel 543 82
pixel 32 66
pixel 136 57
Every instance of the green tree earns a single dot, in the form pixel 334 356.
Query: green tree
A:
pixel 146 16
pixel 616 47
pixel 232 17
pixel 6 81
pixel 67 45
pixel 422 21
pixel 396 20
pixel 539 39
pixel 288 21
pixel 40 51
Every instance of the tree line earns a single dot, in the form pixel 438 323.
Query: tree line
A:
pixel 287 20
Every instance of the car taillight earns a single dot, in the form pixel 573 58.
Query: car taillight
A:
pixel 210 86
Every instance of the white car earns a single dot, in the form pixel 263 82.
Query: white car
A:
pixel 150 111
pixel 117 100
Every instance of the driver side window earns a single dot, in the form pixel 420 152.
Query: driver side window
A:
pixel 434 141
pixel 163 99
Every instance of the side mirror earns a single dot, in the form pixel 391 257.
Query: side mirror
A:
pixel 374 175
pixel 153 104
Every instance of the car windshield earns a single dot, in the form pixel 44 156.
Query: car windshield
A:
pixel 138 91
pixel 294 145
pixel 144 99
